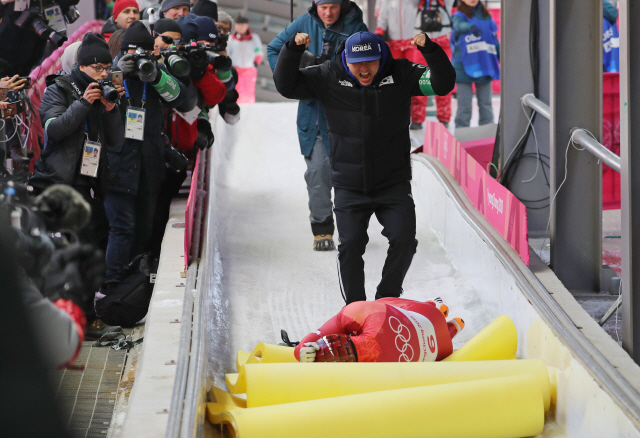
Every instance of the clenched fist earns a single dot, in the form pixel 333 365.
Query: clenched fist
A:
pixel 303 38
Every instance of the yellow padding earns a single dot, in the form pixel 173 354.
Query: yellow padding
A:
pixel 224 398
pixel 286 383
pixel 491 408
pixel 263 353
pixel 497 341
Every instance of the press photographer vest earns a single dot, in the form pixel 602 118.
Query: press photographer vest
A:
pixel 610 47
pixel 479 56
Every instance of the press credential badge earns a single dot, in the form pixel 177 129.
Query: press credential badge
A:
pixel 90 159
pixel 134 128
pixel 55 18
pixel 21 5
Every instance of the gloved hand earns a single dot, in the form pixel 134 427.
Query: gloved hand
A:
pixel 126 64
pixel 308 352
pixel 198 73
pixel 74 273
pixel 475 30
pixel 150 76
pixel 205 137
pixel 222 63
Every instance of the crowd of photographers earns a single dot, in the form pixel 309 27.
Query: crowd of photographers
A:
pixel 123 121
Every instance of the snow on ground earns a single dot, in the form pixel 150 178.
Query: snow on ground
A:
pixel 271 279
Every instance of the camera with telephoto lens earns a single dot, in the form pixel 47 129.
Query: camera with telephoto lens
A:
pixel 34 18
pixel 176 61
pixel 71 15
pixel 197 54
pixel 144 61
pixel 109 91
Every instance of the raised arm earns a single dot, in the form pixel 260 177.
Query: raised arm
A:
pixel 440 77
pixel 292 82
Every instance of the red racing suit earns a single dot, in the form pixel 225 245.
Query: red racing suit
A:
pixel 391 330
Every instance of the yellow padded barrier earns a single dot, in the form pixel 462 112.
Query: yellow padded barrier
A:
pixel 286 383
pixel 497 341
pixel 491 408
pixel 224 398
pixel 263 353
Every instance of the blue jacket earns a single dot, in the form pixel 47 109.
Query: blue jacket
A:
pixel 460 27
pixel 311 119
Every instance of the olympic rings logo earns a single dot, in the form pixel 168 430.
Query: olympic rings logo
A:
pixel 403 335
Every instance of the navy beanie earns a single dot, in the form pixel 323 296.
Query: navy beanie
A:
pixel 208 31
pixel 94 49
pixel 189 28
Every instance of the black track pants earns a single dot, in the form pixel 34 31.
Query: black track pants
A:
pixel 396 212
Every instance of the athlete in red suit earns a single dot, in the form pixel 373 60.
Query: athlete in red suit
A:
pixel 384 330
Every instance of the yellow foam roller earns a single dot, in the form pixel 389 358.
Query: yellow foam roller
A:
pixel 224 398
pixel 262 353
pixel 497 341
pixel 271 384
pixel 491 408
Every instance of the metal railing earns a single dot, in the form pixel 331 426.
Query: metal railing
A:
pixel 537 105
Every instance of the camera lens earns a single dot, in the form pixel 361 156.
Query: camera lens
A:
pixel 198 58
pixel 145 66
pixel 110 94
pixel 45 31
pixel 179 66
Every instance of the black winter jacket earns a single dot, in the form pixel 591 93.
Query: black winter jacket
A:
pixel 66 112
pixel 369 139
pixel 126 159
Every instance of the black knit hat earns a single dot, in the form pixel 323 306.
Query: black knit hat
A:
pixel 170 4
pixel 167 25
pixel 135 36
pixel 206 8
pixel 94 49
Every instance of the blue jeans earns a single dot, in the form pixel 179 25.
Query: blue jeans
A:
pixel 121 211
pixel 465 96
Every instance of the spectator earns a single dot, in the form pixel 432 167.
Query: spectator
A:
pixel 69 58
pixel 229 109
pixel 328 23
pixel 125 12
pixel 368 120
pixel 206 8
pixel 610 38
pixel 137 166
pixel 174 9
pixel 245 50
pixel 473 24
pixel 114 43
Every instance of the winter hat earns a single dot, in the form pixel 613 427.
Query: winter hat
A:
pixel 363 47
pixel 119 5
pixel 327 2
pixel 69 57
pixel 137 35
pixel 189 28
pixel 170 4
pixel 223 17
pixel 94 49
pixel 208 29
pixel 206 8
pixel 167 25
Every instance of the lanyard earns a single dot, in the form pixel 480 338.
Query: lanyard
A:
pixel 144 92
pixel 86 131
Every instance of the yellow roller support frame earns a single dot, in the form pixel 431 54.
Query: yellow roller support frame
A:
pixel 497 341
pixel 263 353
pixel 490 408
pixel 286 383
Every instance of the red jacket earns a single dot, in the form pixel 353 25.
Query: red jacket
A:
pixel 391 330
pixel 212 91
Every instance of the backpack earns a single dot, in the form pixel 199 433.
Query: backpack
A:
pixel 431 16
pixel 128 302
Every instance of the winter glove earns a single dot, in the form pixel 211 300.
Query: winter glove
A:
pixel 149 77
pixel 475 30
pixel 336 348
pixel 308 352
pixel 197 74
pixel 126 64
pixel 74 273
pixel 205 135
pixel 222 63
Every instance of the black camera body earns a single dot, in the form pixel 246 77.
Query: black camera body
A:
pixel 108 90
pixel 145 61
pixel 197 54
pixel 33 17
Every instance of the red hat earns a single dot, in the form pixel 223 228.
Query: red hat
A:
pixel 119 5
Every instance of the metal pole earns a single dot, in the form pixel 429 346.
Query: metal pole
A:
pixel 603 154
pixel 629 175
pixel 576 100
pixel 536 104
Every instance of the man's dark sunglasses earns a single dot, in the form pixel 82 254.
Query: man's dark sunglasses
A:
pixel 167 39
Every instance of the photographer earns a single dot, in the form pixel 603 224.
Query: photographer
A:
pixel 174 9
pixel 229 109
pixel 24 34
pixel 78 120
pixel 137 166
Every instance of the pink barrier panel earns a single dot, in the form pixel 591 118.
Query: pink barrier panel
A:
pixel 190 210
pixel 501 208
pixel 38 76
pixel 481 150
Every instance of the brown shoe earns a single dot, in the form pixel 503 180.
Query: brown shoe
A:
pixel 323 242
pixel 98 328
